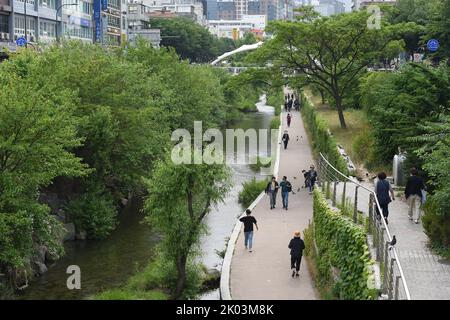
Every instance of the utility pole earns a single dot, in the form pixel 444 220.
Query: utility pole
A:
pixel 56 18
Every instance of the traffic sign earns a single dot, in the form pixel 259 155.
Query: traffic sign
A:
pixel 21 41
pixel 433 45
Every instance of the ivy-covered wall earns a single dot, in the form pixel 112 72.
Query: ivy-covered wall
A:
pixel 341 247
pixel 321 141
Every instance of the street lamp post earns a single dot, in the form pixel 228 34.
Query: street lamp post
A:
pixel 57 10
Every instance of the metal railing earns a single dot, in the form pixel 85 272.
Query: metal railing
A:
pixel 361 203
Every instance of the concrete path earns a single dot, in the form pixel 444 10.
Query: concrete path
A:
pixel 265 273
pixel 427 275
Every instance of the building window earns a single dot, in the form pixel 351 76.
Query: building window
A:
pixel 86 7
pixel 47 29
pixel 4 20
pixel 114 21
pixel 28 1
pixel 115 4
pixel 19 25
pixel 78 31
pixel 48 3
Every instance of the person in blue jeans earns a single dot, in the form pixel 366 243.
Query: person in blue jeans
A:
pixel 286 187
pixel 248 221
pixel 272 190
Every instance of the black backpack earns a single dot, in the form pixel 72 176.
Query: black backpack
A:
pixel 289 186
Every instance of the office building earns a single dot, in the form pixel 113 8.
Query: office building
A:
pixel 138 18
pixel 329 7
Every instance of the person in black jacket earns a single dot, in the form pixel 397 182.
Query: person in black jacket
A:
pixel 413 195
pixel 271 190
pixel 296 245
pixel 285 138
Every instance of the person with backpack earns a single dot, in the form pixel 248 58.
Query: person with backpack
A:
pixel 248 222
pixel 297 246
pixel 286 187
pixel 285 138
pixel 382 190
pixel 289 118
pixel 311 176
pixel 271 190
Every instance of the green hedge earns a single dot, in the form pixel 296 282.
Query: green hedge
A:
pixel 342 245
pixel 250 190
pixel 321 140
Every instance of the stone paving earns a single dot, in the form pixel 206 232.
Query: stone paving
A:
pixel 427 275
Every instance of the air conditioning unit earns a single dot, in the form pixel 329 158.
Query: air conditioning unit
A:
pixel 44 4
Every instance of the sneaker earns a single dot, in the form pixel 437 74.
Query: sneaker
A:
pixel 293 273
pixel 385 219
pixel 416 221
pixel 297 275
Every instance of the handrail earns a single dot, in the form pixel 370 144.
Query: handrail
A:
pixel 397 260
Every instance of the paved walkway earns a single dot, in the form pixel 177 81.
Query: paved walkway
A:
pixel 427 275
pixel 265 273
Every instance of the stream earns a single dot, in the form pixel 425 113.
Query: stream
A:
pixel 108 264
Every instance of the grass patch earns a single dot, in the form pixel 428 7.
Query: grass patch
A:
pixel 124 294
pixel 250 191
pixel 358 128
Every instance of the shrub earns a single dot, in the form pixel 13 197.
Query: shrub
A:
pixel 437 226
pixel 342 245
pixel 94 213
pixel 363 148
pixel 322 141
pixel 275 123
pixel 251 190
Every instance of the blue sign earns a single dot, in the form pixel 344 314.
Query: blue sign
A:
pixel 97 20
pixel 104 5
pixel 21 41
pixel 433 45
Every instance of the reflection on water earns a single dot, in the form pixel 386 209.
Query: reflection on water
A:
pixel 108 264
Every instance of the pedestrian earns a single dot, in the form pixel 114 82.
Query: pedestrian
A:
pixel 285 138
pixel 312 178
pixel 297 246
pixel 413 193
pixel 271 190
pixel 382 190
pixel 289 118
pixel 286 105
pixel 290 105
pixel 248 221
pixel 286 187
pixel 296 105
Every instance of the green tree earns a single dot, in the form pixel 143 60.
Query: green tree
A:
pixel 180 196
pixel 38 131
pixel 329 52
pixel 398 104
pixel 190 40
